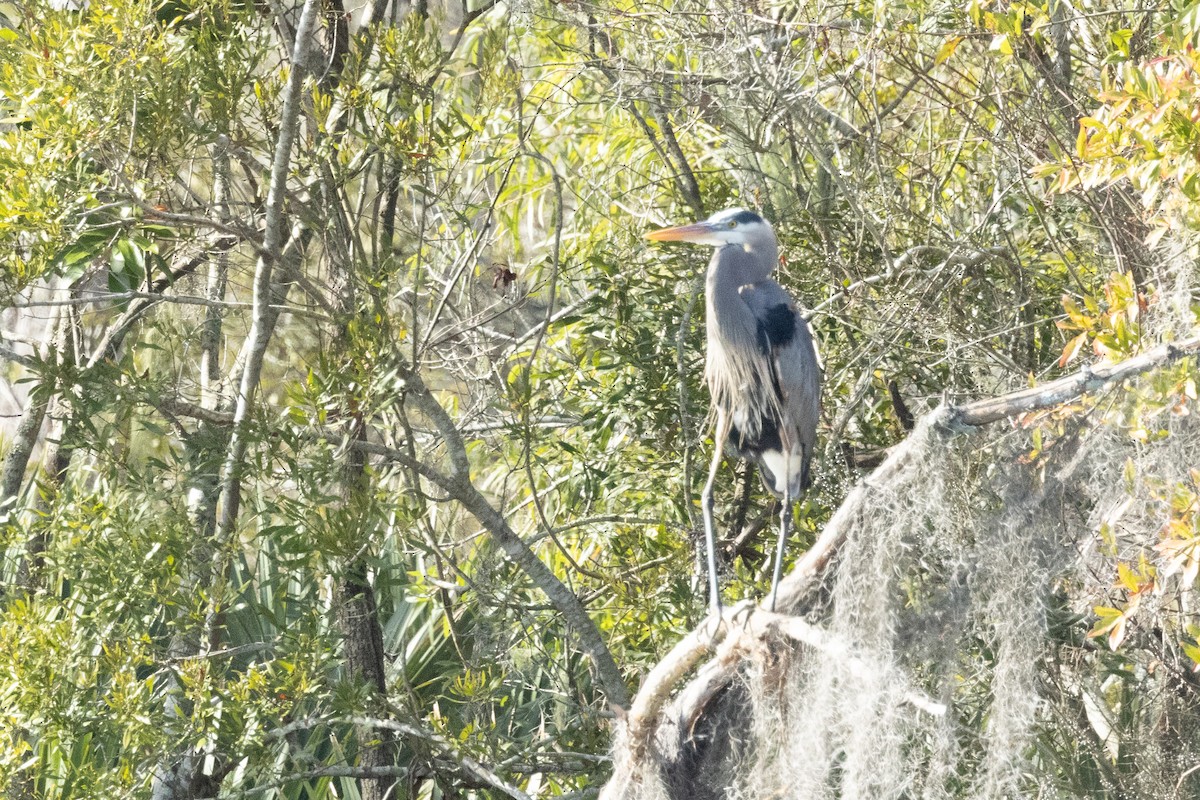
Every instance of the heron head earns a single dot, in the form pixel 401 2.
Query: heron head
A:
pixel 732 226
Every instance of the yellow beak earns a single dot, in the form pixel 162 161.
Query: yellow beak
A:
pixel 682 233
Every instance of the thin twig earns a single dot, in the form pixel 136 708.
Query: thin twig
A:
pixel 93 296
pixel 469 766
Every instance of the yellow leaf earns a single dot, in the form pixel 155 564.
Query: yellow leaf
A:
pixel 1192 652
pixel 1117 634
pixel 1072 349
pixel 1079 320
pixel 1127 578
pixel 1081 140
pixel 947 49
pixel 1109 617
pixel 1155 235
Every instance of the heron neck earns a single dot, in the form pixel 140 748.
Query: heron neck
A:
pixel 721 277
pixel 727 312
pixel 733 266
pixel 767 254
pixel 730 360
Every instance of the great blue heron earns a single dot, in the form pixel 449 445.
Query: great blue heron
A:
pixel 762 368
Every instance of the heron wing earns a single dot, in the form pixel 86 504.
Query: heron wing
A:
pixel 787 341
pixel 797 372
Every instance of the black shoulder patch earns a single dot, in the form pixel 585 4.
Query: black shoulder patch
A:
pixel 777 327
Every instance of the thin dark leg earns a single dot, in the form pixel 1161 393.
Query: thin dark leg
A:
pixel 706 502
pixel 785 516
pixel 785 525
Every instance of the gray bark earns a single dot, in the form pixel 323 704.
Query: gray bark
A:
pixel 458 484
pixel 273 241
pixel 179 778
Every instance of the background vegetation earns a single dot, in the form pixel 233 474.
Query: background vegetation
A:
pixel 354 435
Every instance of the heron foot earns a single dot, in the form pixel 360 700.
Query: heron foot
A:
pixel 713 625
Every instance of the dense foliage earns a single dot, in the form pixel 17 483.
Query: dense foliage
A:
pixel 356 459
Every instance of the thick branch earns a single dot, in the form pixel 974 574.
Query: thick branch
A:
pixel 981 412
pixel 27 432
pixel 458 484
pixel 260 331
pixel 172 777
pixel 1088 379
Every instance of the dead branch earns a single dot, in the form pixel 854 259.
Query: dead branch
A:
pixel 467 766
pixel 457 483
pixel 1088 379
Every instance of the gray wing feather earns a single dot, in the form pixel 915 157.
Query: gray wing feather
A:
pixel 798 371
pixel 795 364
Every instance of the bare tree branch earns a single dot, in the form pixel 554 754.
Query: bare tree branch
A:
pixel 458 484
pixel 99 296
pixel 1088 379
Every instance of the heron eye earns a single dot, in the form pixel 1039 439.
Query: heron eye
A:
pixel 733 223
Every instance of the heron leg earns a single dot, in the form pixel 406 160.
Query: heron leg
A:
pixel 785 524
pixel 706 502
pixel 785 514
